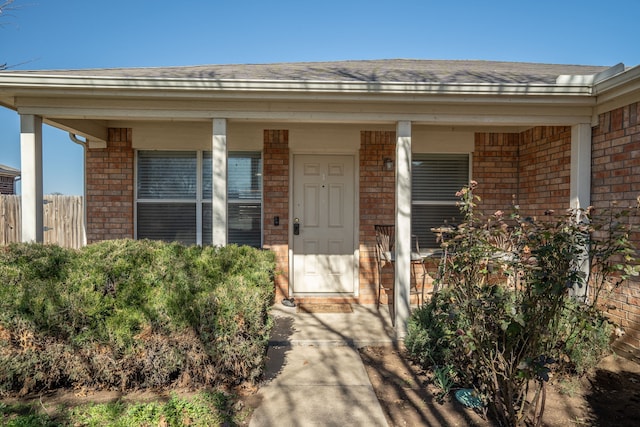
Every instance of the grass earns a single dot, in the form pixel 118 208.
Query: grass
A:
pixel 569 386
pixel 202 409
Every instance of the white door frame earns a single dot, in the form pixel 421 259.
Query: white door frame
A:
pixel 356 220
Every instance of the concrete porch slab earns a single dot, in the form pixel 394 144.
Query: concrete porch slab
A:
pixel 366 325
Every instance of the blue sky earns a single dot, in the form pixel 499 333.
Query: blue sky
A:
pixel 54 34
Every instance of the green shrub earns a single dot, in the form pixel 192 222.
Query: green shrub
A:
pixel 125 314
pixel 511 309
pixel 431 331
pixel 585 334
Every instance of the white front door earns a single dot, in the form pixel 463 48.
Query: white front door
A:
pixel 323 224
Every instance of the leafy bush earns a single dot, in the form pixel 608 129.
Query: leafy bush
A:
pixel 124 314
pixel 514 304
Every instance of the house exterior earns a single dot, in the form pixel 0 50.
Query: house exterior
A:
pixel 303 159
pixel 8 176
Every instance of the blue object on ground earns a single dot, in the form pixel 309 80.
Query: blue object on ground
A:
pixel 288 302
pixel 469 398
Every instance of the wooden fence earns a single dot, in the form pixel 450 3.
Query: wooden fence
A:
pixel 63 220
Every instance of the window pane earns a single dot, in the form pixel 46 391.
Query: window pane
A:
pixel 244 175
pixel 437 177
pixel 244 172
pixel 245 224
pixel 207 167
pixel 426 217
pixel 172 176
pixel 167 221
pixel 167 174
pixel 207 225
pixel 244 188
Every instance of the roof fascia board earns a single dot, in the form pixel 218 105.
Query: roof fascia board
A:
pixel 617 80
pixel 42 81
pixel 9 171
pixel 415 98
pixel 617 91
pixel 32 97
pixel 477 118
pixel 361 104
pixel 618 85
pixel 83 108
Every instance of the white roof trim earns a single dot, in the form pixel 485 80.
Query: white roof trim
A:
pixel 8 170
pixel 55 82
pixel 590 79
pixel 628 76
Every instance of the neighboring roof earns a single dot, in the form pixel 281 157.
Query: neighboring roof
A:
pixel 8 171
pixel 388 70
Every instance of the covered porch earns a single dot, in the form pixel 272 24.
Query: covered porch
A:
pixel 528 142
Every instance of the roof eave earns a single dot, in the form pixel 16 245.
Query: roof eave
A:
pixel 17 81
pixel 619 86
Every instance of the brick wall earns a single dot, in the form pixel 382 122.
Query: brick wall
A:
pixel 545 169
pixel 615 168
pixel 109 188
pixel 495 168
pixel 276 203
pixel 531 169
pixel 6 185
pixel 377 204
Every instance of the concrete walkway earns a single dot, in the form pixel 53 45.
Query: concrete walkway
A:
pixel 315 376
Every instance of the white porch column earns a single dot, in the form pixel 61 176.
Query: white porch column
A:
pixel 219 183
pixel 31 165
pixel 403 228
pixel 580 186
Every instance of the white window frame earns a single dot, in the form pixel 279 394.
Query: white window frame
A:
pixel 198 201
pixel 436 203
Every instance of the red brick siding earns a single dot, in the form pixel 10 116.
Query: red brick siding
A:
pixel 545 170
pixel 377 204
pixel 615 168
pixel 276 203
pixel 109 188
pixel 495 168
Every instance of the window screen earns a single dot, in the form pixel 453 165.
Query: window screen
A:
pixel 168 204
pixel 166 195
pixel 435 179
pixel 244 194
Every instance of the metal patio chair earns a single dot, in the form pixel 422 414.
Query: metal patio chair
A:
pixel 385 254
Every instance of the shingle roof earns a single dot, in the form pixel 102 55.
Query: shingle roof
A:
pixel 8 170
pixel 388 70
